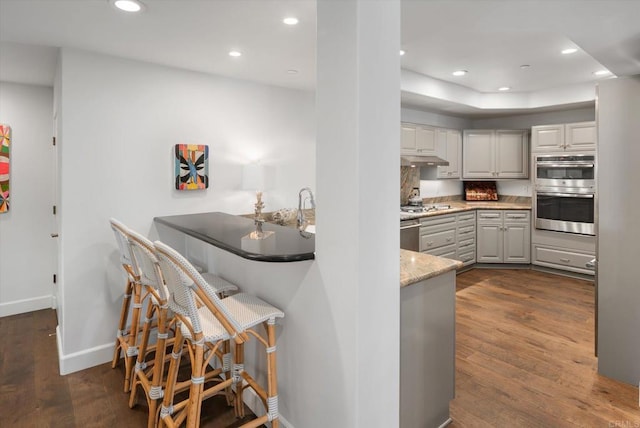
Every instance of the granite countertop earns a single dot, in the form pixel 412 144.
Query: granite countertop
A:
pixel 416 267
pixel 226 231
pixel 460 206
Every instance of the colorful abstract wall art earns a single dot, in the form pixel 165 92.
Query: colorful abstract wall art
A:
pixel 5 166
pixel 191 166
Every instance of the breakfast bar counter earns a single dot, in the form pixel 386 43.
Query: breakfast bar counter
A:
pixel 226 231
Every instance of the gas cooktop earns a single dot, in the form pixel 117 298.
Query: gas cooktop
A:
pixel 423 209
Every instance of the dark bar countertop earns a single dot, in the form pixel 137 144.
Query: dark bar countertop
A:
pixel 225 231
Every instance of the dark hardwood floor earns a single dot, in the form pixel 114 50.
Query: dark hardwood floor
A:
pixel 524 358
pixel 33 394
pixel 525 355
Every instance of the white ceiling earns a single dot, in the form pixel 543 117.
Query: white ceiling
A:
pixel 489 38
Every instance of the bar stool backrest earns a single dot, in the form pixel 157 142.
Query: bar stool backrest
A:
pixel 120 230
pixel 146 265
pixel 184 282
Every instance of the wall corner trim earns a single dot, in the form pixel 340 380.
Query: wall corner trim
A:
pixel 82 359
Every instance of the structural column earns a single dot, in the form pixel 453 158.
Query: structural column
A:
pixel 358 184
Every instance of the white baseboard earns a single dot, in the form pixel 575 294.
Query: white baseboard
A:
pixel 25 305
pixel 252 401
pixel 83 359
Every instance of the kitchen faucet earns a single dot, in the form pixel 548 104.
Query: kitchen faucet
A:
pixel 302 222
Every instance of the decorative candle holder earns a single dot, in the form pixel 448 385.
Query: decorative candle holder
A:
pixel 259 241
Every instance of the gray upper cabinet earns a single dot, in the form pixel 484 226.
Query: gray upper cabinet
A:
pixel 417 139
pixel 495 154
pixel 449 147
pixel 569 137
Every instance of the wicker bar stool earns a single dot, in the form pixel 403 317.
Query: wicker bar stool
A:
pixel 149 374
pixel 126 338
pixel 203 330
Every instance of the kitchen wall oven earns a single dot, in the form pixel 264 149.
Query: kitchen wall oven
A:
pixel 565 193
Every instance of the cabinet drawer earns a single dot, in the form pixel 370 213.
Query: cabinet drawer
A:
pixel 437 239
pixel 466 217
pixel 490 215
pixel 441 220
pixel 562 258
pixel 449 252
pixel 516 216
pixel 467 231
pixel 466 243
pixel 467 257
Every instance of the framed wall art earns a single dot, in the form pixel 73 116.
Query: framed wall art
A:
pixel 191 169
pixel 5 166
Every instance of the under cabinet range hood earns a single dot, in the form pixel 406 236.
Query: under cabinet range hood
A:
pixel 420 161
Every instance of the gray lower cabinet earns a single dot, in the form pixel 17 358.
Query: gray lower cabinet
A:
pixel 452 236
pixel 427 351
pixel 438 235
pixel 564 251
pixel 503 236
pixel 466 237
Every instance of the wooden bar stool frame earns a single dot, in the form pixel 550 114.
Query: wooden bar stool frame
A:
pixel 150 375
pixel 127 338
pixel 238 315
pixel 187 307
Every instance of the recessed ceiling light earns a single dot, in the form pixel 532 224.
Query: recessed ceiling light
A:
pixel 459 72
pixel 525 66
pixel 504 88
pixel 235 53
pixel 128 5
pixel 292 71
pixel 402 52
pixel 569 51
pixel 601 72
pixel 290 20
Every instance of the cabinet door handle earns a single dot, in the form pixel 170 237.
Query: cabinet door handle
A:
pixel 565 260
pixel 591 264
pixel 429 244
pixel 449 239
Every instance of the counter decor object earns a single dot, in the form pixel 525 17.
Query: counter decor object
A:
pixel 191 166
pixel 5 165
pixel 480 191
pixel 258 241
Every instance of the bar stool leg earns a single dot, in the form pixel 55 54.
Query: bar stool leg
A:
pixel 155 392
pixel 132 350
pixel 122 325
pixel 197 382
pixel 272 375
pixel 166 410
pixel 238 366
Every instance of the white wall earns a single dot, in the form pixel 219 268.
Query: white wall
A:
pixel 120 122
pixel 526 121
pixel 434 119
pixel 26 249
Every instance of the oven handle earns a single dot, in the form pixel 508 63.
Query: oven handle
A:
pixel 568 195
pixel 562 165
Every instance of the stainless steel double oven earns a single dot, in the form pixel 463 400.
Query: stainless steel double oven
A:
pixel 565 193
